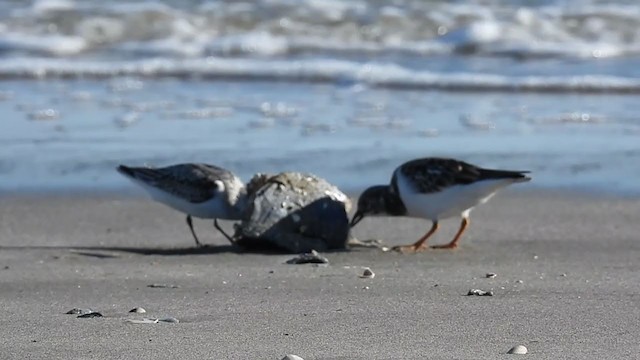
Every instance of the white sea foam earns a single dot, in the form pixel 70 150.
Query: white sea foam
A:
pixel 281 27
pixel 54 45
pixel 328 41
pixel 315 70
pixel 45 6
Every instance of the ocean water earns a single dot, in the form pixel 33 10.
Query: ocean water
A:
pixel 344 89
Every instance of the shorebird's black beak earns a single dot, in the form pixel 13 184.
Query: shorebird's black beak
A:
pixel 356 218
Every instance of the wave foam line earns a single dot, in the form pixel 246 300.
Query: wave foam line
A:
pixel 322 71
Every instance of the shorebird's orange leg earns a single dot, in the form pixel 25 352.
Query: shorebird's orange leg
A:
pixel 418 245
pixel 454 243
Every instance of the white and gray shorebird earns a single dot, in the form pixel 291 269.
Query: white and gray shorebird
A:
pixel 200 190
pixel 434 189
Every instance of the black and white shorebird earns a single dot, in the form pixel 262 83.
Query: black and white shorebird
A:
pixel 434 189
pixel 200 190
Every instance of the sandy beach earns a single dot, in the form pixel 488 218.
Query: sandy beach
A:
pixel 567 285
pixel 347 91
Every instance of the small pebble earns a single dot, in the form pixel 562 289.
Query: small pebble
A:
pixel 491 275
pixel 479 292
pixel 367 274
pixel 138 310
pixel 77 311
pixel 518 350
pixel 519 281
pixel 292 357
pixel 90 315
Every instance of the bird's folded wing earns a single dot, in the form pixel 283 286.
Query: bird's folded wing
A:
pixel 436 174
pixel 195 183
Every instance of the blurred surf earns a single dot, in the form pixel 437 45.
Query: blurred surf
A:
pixel 344 89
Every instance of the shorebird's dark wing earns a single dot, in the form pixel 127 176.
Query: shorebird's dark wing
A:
pixel 195 183
pixel 430 175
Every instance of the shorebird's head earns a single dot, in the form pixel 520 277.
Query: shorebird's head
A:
pixel 372 202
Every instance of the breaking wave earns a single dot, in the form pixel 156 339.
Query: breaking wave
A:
pixel 270 28
pixel 341 72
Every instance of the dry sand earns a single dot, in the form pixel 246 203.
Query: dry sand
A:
pixel 577 258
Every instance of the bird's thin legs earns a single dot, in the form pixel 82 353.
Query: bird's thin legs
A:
pixel 190 223
pixel 419 245
pixel 215 223
pixel 454 243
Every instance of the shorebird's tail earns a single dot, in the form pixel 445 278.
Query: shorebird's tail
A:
pixel 144 174
pixel 126 171
pixel 516 176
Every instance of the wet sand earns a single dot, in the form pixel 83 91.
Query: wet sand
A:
pixel 567 285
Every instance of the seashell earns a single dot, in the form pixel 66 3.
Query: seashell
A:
pixel 518 350
pixel 90 315
pixel 292 357
pixel 77 311
pixel 169 320
pixel 479 292
pixel 309 258
pixel 163 286
pixel 143 321
pixel 367 274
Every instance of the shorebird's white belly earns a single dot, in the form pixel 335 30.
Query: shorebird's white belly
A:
pixel 211 209
pixel 452 201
